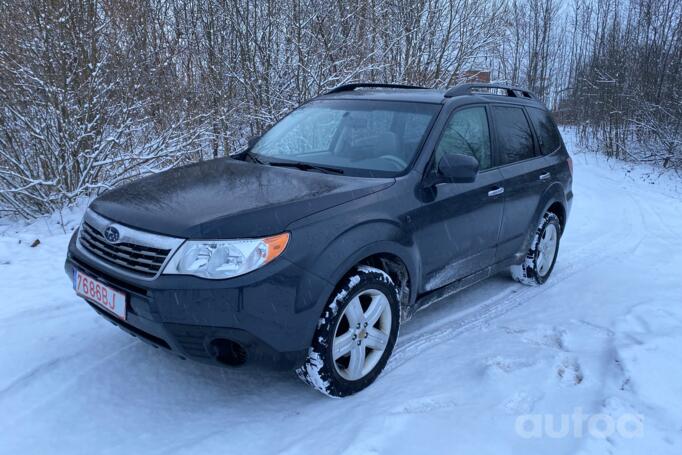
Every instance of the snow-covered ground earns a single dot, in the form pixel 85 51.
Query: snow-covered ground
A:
pixel 589 363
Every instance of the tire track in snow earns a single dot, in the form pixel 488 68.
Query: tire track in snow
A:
pixel 601 247
pixel 33 374
pixel 77 376
pixel 489 310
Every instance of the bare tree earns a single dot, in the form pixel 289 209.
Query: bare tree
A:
pixel 95 92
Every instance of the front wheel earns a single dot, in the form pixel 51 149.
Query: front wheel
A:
pixel 539 262
pixel 355 336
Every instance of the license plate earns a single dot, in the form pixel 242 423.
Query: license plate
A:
pixel 104 296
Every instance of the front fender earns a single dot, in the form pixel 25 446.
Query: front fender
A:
pixel 341 252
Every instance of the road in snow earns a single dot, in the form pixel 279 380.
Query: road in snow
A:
pixel 481 372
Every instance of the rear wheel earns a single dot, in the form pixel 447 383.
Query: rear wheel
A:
pixel 539 262
pixel 355 336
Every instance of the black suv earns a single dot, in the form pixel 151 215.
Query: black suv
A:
pixel 308 249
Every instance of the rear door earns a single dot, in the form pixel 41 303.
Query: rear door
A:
pixel 551 146
pixel 524 172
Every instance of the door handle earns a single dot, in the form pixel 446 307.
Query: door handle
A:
pixel 496 192
pixel 545 176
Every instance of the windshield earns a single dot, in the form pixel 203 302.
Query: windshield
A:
pixel 375 138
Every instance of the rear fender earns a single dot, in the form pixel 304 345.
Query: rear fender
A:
pixel 554 193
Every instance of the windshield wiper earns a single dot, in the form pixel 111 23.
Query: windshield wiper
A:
pixel 306 166
pixel 254 157
pixel 297 164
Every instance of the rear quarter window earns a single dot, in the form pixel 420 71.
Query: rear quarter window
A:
pixel 546 130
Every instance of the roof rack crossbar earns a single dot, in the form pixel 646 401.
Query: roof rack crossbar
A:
pixel 351 87
pixel 467 89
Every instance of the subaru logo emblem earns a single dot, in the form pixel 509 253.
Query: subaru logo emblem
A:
pixel 111 234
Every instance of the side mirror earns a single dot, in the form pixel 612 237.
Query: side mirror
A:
pixel 457 168
pixel 252 141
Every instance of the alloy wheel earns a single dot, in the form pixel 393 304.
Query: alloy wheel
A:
pixel 547 249
pixel 361 334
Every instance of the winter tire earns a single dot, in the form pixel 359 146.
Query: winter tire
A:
pixel 355 335
pixel 539 262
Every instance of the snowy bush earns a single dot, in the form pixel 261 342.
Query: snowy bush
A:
pixel 70 125
pixel 96 92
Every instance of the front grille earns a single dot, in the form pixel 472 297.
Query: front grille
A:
pixel 108 279
pixel 141 259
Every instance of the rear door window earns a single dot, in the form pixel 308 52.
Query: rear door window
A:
pixel 546 130
pixel 514 136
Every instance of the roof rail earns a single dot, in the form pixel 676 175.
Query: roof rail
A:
pixel 467 89
pixel 351 87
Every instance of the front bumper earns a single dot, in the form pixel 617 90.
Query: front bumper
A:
pixel 268 316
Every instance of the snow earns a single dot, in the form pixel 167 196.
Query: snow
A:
pixel 589 363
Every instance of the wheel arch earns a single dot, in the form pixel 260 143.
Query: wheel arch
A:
pixel 377 243
pixel 553 200
pixel 559 210
pixel 394 259
pixel 399 272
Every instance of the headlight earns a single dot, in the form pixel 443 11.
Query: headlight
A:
pixel 219 259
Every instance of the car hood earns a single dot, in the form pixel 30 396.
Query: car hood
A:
pixel 226 198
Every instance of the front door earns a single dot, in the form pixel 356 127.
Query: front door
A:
pixel 457 227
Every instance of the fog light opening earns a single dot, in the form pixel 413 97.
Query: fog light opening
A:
pixel 228 352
